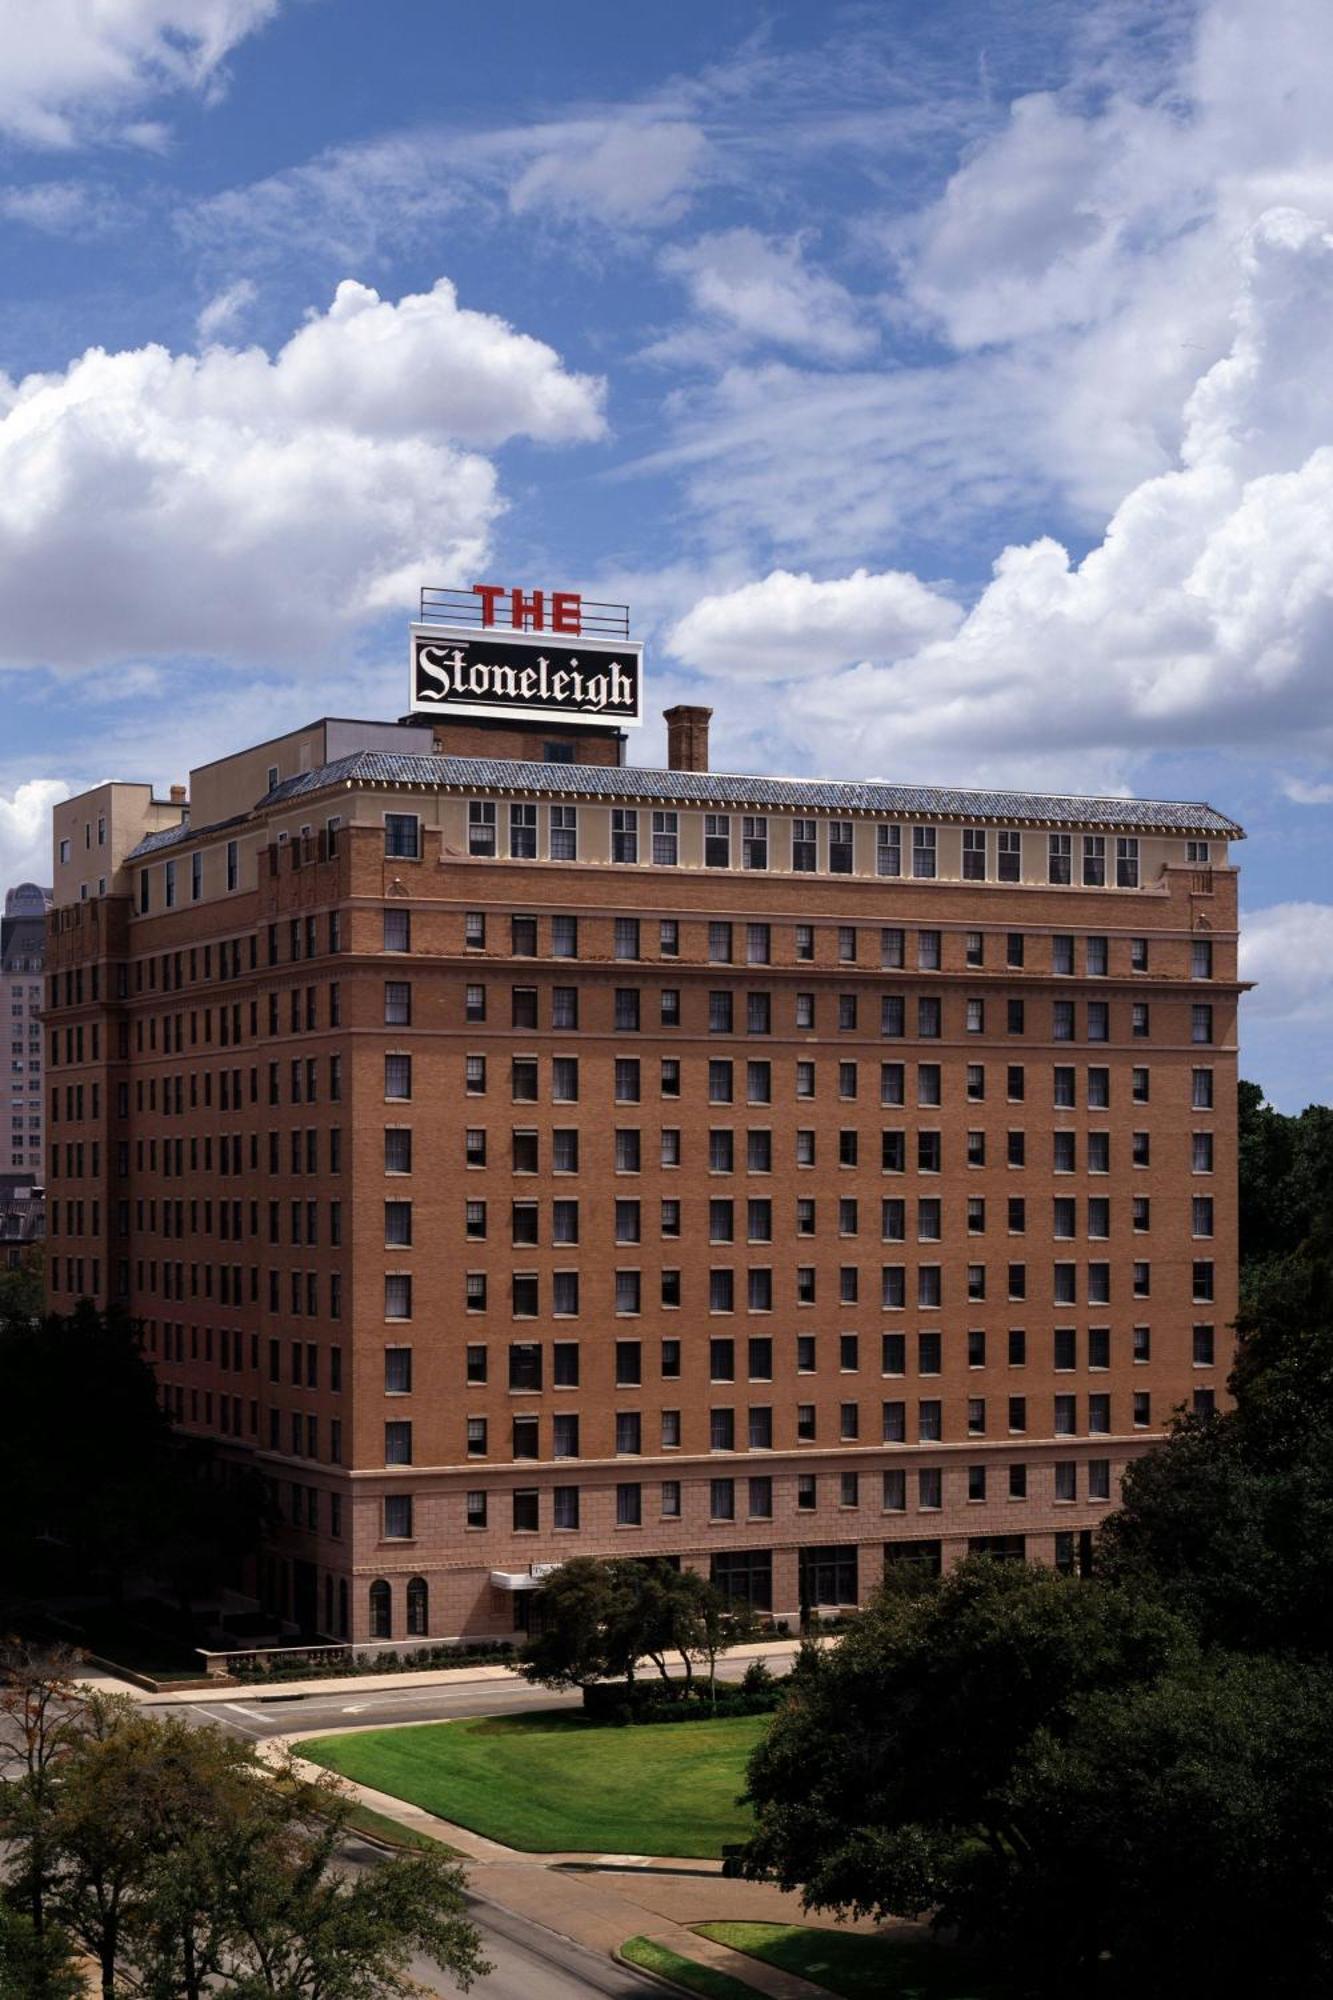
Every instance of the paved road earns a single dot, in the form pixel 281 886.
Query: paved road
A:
pixel 246 1713
pixel 529 1962
pixel 259 1716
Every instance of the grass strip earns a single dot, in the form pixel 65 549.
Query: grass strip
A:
pixel 650 1956
pixel 379 1826
pixel 855 1964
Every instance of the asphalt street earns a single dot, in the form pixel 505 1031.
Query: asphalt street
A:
pixel 528 1961
pixel 257 1715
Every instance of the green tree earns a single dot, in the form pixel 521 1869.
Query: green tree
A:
pixel 33 1968
pixel 90 1465
pixel 1183 1830
pixel 595 1620
pixel 183 1865
pixel 883 1775
pixel 574 1643
pixel 1055 1770
pixel 22 1300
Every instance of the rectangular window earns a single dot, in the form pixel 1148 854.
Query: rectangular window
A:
pixel 840 846
pixel 1094 861
pixel 564 833
pixel 624 834
pixel 666 839
pixel 717 840
pixel 1009 856
pixel 923 853
pixel 754 841
pixel 481 828
pixel 1127 864
pixel 804 846
pixel 523 832
pixel 1059 858
pixel 888 850
pixel 974 854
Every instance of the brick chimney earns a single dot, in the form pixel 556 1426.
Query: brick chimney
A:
pixel 178 795
pixel 687 737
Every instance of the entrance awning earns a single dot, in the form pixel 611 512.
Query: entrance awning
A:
pixel 522 1579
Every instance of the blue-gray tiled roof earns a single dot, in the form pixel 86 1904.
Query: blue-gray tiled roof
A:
pixel 375 768
pixel 372 767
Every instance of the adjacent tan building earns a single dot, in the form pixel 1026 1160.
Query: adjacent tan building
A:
pixel 514 1152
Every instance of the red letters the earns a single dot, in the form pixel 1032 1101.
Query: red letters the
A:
pixel 489 593
pixel 525 610
pixel 566 611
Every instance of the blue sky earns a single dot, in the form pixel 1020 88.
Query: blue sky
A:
pixel 946 388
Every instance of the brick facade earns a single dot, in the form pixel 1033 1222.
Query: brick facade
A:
pixel 225 1074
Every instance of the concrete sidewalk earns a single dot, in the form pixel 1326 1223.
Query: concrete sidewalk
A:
pixel 771 1650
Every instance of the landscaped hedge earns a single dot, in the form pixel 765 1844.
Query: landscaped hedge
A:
pixel 489 1653
pixel 650 1701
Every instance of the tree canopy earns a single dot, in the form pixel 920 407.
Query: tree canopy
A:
pixel 182 1865
pixel 92 1473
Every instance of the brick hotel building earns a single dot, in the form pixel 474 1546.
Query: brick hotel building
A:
pixel 512 1152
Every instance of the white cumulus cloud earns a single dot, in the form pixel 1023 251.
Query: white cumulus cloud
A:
pixel 25 831
pixel 1205 615
pixel 241 505
pixel 69 69
pixel 1288 950
pixel 786 626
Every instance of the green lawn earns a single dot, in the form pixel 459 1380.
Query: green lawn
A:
pixel 643 1952
pixel 855 1965
pixel 553 1780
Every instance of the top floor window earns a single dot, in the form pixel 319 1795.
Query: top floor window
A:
pixel 840 846
pixel 804 846
pixel 481 827
pixel 1197 851
pixel 1059 858
pixel 564 833
pixel 233 863
pixel 666 839
pixel 974 853
pixel 523 833
pixel 1009 855
pixel 196 876
pixel 888 850
pixel 717 840
pixel 1127 864
pixel 402 835
pixel 1094 861
pixel 754 841
pixel 923 853
pixel 624 833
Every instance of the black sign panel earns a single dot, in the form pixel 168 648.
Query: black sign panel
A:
pixel 460 670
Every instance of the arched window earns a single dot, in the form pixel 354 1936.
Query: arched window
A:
pixel 381 1610
pixel 418 1608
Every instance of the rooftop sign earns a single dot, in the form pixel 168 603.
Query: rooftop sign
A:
pixel 508 653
